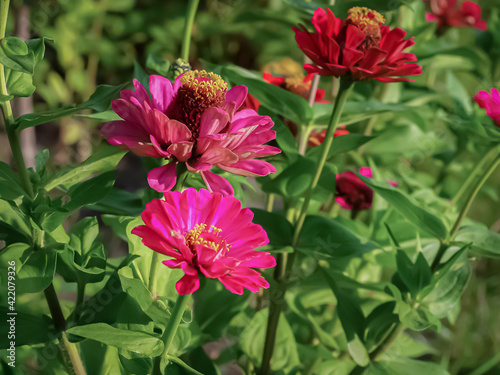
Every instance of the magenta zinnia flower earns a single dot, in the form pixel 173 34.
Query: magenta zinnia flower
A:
pixel 491 103
pixel 193 120
pixel 208 233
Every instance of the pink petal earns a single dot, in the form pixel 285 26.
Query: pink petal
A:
pixel 188 284
pixel 237 95
pixel 216 183
pixel 212 121
pixel 162 91
pixel 163 178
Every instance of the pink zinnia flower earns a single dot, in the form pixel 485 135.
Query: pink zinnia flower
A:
pixel 208 233
pixel 354 194
pixel 360 47
pixel 194 120
pixel 447 13
pixel 490 102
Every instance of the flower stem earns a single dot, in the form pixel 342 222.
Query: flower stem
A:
pixel 468 202
pixel 282 272
pixel 171 329
pixel 474 174
pixel 188 28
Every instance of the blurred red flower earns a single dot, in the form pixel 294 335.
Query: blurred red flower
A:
pixel 490 102
pixel 318 137
pixel 360 47
pixel 447 13
pixel 354 194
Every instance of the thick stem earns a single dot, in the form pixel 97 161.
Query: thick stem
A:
pixel 188 28
pixel 344 91
pixel 282 272
pixel 153 280
pixel 55 308
pixel 71 357
pixel 171 329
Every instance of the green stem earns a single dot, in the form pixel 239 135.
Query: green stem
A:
pixel 171 329
pixel 493 154
pixel 153 280
pixel 188 28
pixel 384 345
pixel 474 174
pixel 468 203
pixel 282 271
pixel 487 366
pixel 71 357
pixel 80 296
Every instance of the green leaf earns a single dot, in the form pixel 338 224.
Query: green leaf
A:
pixel 99 101
pixel 284 137
pixel 83 260
pixel 104 159
pixel 294 181
pixel 401 203
pixel 35 329
pixel 19 84
pixel 157 64
pixel 485 242
pixel 83 194
pixel 14 54
pixel 353 321
pixel 406 366
pixel 37 269
pixel 155 309
pixel 134 341
pixel 415 276
pixel 141 75
pixel 5 98
pixel 341 145
pixel 378 323
pixel 278 228
pixel 120 202
pixel 329 239
pixel 14 225
pixel 285 349
pixel 10 188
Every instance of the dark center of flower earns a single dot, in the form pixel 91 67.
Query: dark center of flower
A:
pixel 200 90
pixel 297 85
pixel 207 236
pixel 369 22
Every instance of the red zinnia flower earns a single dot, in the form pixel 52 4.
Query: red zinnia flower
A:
pixel 359 47
pixel 490 102
pixel 316 138
pixel 354 194
pixel 208 233
pixel 195 120
pixel 447 13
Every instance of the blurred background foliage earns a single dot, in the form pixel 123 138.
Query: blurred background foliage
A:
pixel 428 133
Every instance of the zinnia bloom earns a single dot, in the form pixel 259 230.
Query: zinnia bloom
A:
pixel 360 47
pixel 354 194
pixel 447 13
pixel 194 120
pixel 318 137
pixel 206 233
pixel 490 102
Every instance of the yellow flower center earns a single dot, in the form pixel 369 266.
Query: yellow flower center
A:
pixel 205 85
pixel 368 21
pixel 200 90
pixel 200 235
